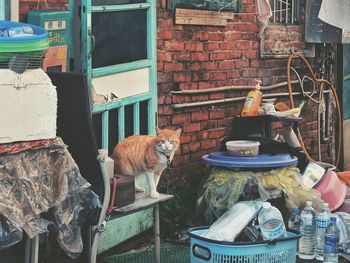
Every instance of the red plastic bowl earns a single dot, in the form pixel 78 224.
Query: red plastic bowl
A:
pixel 333 190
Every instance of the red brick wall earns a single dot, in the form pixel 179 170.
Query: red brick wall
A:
pixel 199 57
pixel 26 5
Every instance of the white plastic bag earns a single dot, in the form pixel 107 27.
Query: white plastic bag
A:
pixel 230 224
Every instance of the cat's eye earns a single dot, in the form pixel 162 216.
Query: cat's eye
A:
pixel 172 141
pixel 162 141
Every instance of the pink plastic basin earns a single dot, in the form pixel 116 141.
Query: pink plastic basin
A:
pixel 333 190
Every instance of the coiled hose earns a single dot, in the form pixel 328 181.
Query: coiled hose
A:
pixel 334 92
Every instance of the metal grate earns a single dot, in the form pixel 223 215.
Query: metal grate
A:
pixel 285 11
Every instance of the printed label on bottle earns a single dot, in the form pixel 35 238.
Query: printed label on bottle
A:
pixel 307 220
pixel 331 245
pixel 322 223
pixel 248 104
pixel 270 234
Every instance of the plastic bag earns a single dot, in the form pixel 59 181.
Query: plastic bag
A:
pixel 230 224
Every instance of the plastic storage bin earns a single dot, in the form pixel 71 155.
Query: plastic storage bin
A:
pixel 204 250
pixel 32 47
pixel 242 148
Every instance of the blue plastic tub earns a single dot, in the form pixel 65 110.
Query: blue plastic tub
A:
pixel 39 33
pixel 222 159
pixel 205 250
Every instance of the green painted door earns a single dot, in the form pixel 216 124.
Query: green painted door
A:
pixel 2 10
pixel 346 103
pixel 119 58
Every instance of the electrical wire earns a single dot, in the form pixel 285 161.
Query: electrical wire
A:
pixel 334 93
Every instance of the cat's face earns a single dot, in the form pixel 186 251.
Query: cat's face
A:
pixel 168 140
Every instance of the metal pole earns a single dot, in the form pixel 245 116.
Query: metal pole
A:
pixel 35 250
pixel 27 250
pixel 156 232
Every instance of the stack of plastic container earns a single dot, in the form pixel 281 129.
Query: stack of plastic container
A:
pixel 22 43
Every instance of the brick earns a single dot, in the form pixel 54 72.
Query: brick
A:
pixel 180 119
pixel 164 77
pixel 210 65
pixel 200 36
pixel 218 133
pixel 233 54
pixel 191 147
pixel 242 64
pixel 200 97
pixel 218 75
pixel 188 86
pixel 245 45
pixel 223 65
pixel 251 54
pixel 208 144
pixel 163 57
pixel 199 116
pixel 174 46
pixel 216 96
pixel 194 46
pixel 216 36
pixel 192 127
pixel 211 124
pixel 182 77
pixel 182 57
pixel 218 56
pixel 173 67
pixel 211 46
pixel 216 114
pixel 200 56
pixel 227 46
pixel 165 35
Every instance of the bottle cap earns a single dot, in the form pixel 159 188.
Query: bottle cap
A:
pixel 333 219
pixel 308 203
pixel 266 205
pixel 295 210
pixel 257 85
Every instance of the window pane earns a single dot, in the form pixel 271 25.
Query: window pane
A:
pixel 115 2
pixel 120 37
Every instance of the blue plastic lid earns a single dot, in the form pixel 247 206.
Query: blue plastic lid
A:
pixel 333 219
pixel 295 211
pixel 222 159
pixel 39 33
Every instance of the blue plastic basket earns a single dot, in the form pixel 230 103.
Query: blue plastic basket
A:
pixel 205 250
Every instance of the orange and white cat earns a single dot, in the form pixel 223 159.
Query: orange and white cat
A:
pixel 145 154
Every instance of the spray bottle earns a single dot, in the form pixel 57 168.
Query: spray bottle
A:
pixel 253 100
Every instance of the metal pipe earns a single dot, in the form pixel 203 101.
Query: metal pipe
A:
pixel 228 88
pixel 212 102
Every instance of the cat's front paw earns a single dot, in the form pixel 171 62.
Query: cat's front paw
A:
pixel 139 189
pixel 155 195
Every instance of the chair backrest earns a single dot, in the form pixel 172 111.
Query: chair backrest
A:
pixel 74 126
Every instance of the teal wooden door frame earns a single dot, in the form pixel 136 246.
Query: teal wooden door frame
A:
pixel 119 230
pixel 150 63
pixel 2 10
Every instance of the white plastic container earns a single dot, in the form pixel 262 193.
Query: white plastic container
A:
pixel 28 106
pixel 242 148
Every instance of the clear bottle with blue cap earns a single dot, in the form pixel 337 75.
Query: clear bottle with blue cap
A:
pixel 294 220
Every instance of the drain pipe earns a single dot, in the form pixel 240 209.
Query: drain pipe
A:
pixel 229 88
pixel 212 102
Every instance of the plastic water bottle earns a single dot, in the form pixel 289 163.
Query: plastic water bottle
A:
pixel 271 222
pixel 294 221
pixel 322 221
pixel 331 242
pixel 307 231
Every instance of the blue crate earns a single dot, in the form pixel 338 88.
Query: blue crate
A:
pixel 205 250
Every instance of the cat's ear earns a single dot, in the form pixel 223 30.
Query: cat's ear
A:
pixel 178 132
pixel 158 131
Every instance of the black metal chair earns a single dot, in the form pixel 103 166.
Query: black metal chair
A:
pixel 74 126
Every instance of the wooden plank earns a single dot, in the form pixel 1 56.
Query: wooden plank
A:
pixel 202 17
pixel 142 201
pixel 200 21
pixel 204 13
